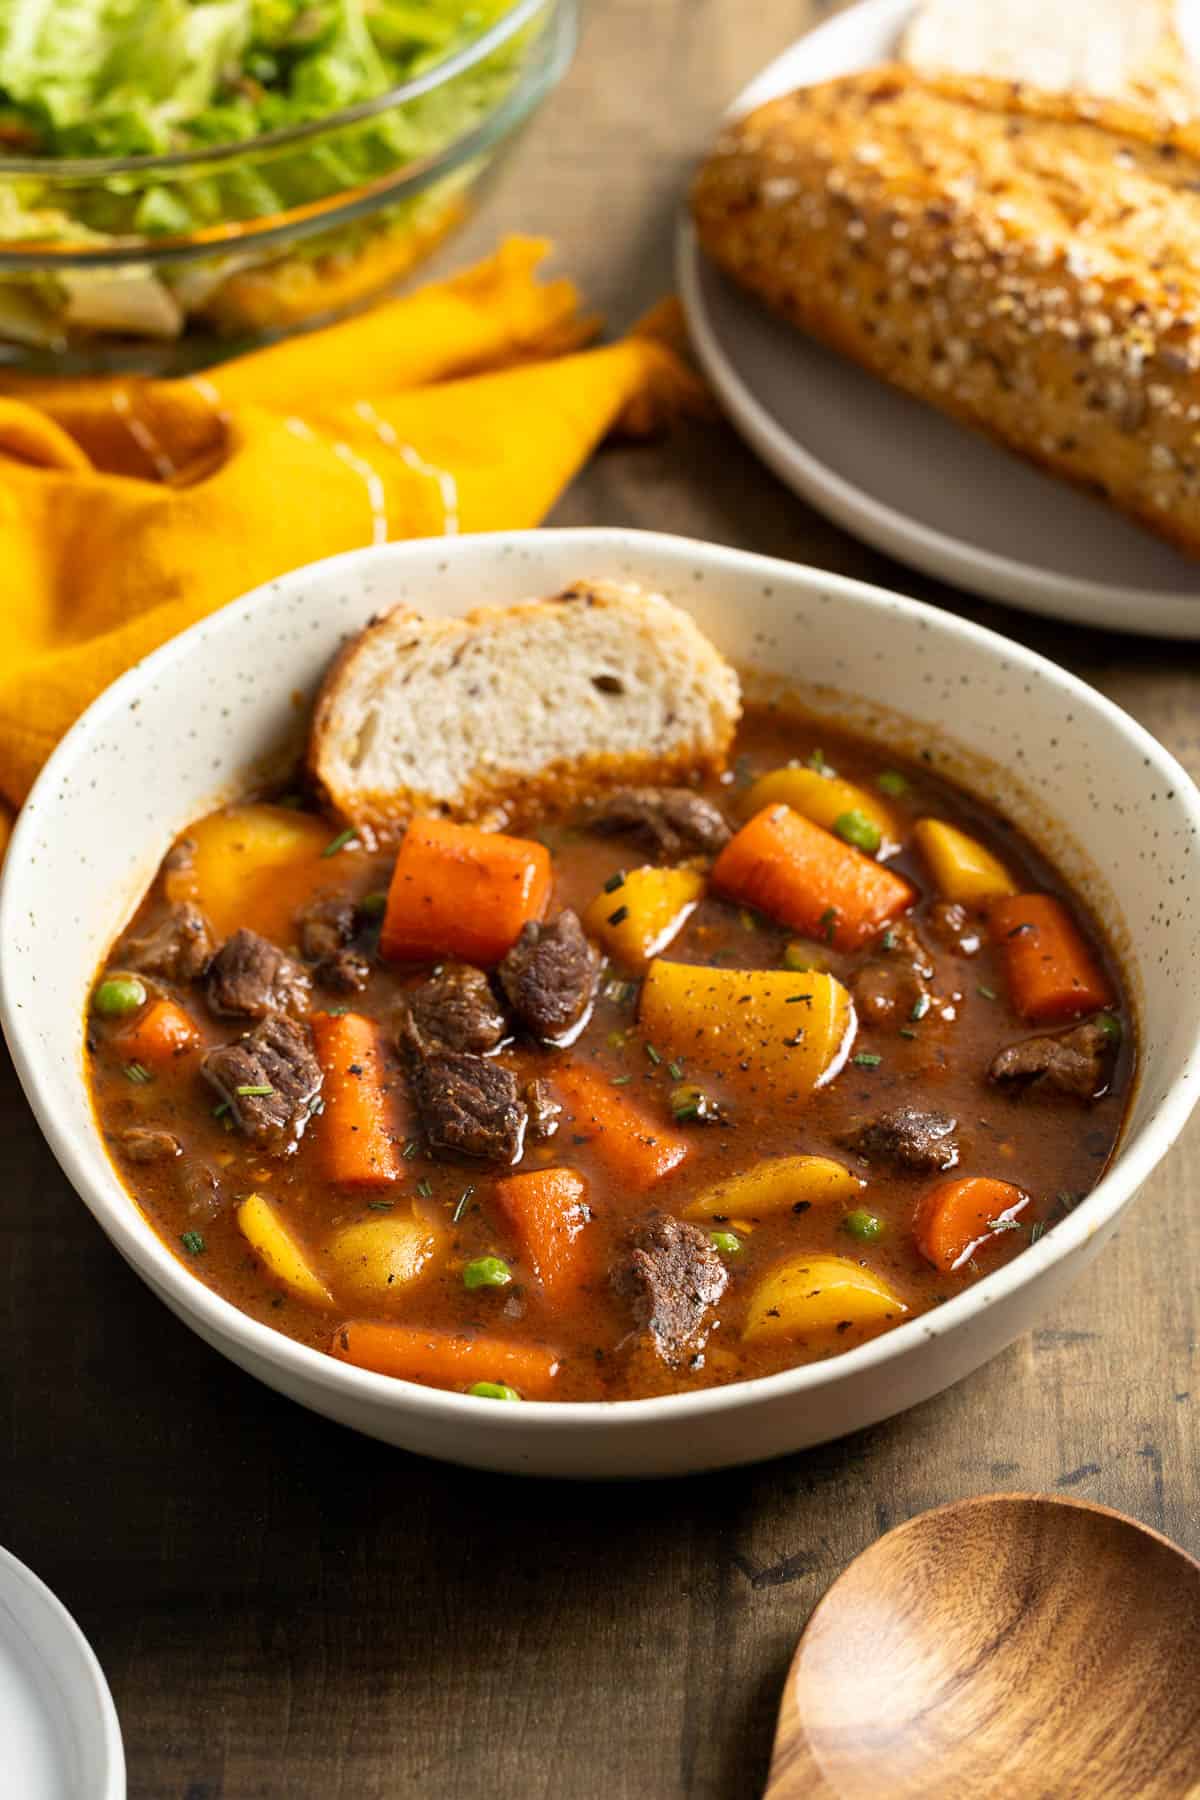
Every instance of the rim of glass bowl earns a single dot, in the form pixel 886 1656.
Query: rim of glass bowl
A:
pixel 549 57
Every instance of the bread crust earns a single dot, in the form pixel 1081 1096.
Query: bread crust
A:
pixel 495 792
pixel 1027 263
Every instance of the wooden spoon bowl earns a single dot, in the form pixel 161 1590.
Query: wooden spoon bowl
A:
pixel 1010 1645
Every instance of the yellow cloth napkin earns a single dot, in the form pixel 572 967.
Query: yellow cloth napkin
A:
pixel 130 509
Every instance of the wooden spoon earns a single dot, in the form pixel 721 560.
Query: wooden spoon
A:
pixel 1013 1646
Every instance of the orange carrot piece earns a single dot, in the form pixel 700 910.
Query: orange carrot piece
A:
pixel 956 1217
pixel 163 1032
pixel 458 891
pixel 446 1359
pixel 636 1151
pixel 1052 972
pixel 357 1147
pixel 546 1209
pixel 800 874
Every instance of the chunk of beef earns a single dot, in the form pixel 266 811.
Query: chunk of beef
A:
pixel 325 926
pixel 668 821
pixel 346 972
pixel 893 986
pixel 544 1110
pixel 454 1010
pixel 202 1193
pixel 671 1273
pixel 549 976
pixel 952 925
pixel 1066 1062
pixel 146 1144
pixel 250 977
pixel 270 1079
pixel 469 1107
pixel 179 948
pixel 908 1138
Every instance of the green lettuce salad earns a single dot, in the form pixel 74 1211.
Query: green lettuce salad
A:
pixel 85 79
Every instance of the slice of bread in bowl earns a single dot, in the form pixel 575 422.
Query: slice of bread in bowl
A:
pixel 507 709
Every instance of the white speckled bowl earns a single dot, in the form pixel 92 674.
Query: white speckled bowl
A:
pixel 188 727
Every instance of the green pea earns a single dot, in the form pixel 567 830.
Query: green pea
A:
pixel 862 1224
pixel 119 995
pixel 727 1242
pixel 892 782
pixel 1110 1025
pixel 493 1390
pixel 487 1271
pixel 855 828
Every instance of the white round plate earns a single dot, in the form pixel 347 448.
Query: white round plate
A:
pixel 897 473
pixel 59 1736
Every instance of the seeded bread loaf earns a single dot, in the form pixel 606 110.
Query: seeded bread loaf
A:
pixel 508 709
pixel 1028 263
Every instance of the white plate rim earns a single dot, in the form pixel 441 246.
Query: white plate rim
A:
pixel 101 1726
pixel 1149 612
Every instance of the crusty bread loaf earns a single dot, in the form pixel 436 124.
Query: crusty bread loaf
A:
pixel 1130 50
pixel 510 708
pixel 1028 263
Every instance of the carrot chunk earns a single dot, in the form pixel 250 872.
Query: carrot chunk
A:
pixel 547 1211
pixel 446 1359
pixel 357 1147
pixel 458 891
pixel 636 1151
pixel 163 1032
pixel 1052 973
pixel 960 1215
pixel 802 875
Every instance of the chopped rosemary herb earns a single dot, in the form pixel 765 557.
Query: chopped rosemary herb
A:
pixel 652 1053
pixel 985 993
pixel 621 1080
pixel 410 1149
pixel 219 1111
pixel 349 836
pixel 614 882
pixel 138 1073
pixel 906 1032
pixel 817 761
pixel 619 917
pixel 462 1203
pixel 867 1059
pixel 381 1205
pixel 675 1071
pixel 920 1006
pixel 254 1091
pixel 425 1189
pixel 828 923
pixel 1037 1230
pixel 888 940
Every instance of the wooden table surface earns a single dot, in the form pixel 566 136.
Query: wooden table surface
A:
pixel 286 1610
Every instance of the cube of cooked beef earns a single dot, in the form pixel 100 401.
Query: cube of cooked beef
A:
pixel 549 976
pixel 325 925
pixel 671 1273
pixel 146 1144
pixel 1065 1062
pixel 893 986
pixel 952 925
pixel 907 1138
pixel 178 948
pixel 668 821
pixel 544 1110
pixel 250 977
pixel 454 1010
pixel 345 972
pixel 200 1189
pixel 469 1106
pixel 271 1080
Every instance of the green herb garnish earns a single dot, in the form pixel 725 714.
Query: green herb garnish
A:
pixel 828 923
pixel 892 782
pixel 425 1189
pixel 193 1243
pixel 254 1091
pixel 138 1073
pixel 652 1053
pixel 349 836
pixel 867 1059
pixel 985 993
pixel 461 1204
pixel 854 827
pixel 614 882
pixel 411 1146
pixel 619 917
pixel 920 1006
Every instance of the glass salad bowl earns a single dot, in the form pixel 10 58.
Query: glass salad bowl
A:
pixel 256 192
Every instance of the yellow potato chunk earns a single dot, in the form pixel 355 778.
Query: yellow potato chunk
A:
pixel 257 865
pixel 638 920
pixel 377 1259
pixel 810 1296
pixel 757 1028
pixel 775 1186
pixel 265 1232
pixel 824 799
pixel 962 868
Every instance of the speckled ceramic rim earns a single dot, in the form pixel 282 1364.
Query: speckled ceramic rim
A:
pixel 76 1677
pixel 121 1219
pixel 1025 585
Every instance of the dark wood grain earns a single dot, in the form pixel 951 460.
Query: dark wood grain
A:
pixel 285 1610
